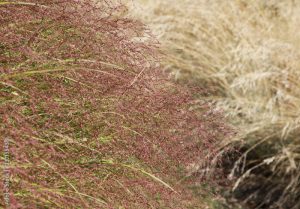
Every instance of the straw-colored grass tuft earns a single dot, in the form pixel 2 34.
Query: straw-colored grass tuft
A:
pixel 248 53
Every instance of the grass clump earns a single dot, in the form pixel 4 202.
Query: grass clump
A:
pixel 247 52
pixel 90 118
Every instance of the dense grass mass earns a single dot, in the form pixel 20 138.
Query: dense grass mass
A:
pixel 88 118
pixel 248 51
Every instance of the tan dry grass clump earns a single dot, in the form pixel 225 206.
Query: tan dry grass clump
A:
pixel 248 51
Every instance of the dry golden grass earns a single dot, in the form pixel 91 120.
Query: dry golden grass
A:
pixel 248 51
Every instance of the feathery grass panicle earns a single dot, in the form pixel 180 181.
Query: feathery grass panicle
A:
pixel 81 86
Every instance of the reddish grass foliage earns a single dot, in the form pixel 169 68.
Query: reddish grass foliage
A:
pixel 91 119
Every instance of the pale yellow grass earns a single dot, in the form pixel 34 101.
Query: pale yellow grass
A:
pixel 249 52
